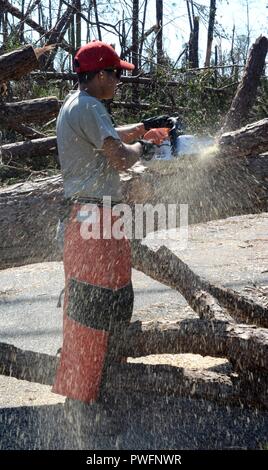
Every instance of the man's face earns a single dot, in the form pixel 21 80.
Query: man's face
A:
pixel 109 79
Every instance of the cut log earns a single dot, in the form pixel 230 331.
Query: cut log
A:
pixel 131 377
pixel 38 110
pixel 29 149
pixel 244 345
pixel 164 266
pixel 247 89
pixel 18 63
pixel 250 140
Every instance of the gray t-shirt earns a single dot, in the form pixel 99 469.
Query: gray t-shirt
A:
pixel 82 126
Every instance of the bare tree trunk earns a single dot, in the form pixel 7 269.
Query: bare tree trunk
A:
pixel 21 27
pixel 142 30
pixel 49 14
pixel 88 25
pixel 232 46
pixel 247 89
pixel 189 15
pixel 135 47
pixel 193 45
pixel 159 34
pixel 212 14
pixel 97 19
pixel 78 24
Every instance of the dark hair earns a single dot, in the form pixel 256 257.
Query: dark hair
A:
pixel 86 77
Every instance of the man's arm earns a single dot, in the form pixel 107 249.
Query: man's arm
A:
pixel 120 155
pixel 130 132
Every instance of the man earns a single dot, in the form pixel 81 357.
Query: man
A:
pixel 98 291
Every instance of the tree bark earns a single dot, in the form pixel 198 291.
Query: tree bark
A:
pixel 247 89
pixel 95 8
pixel 206 299
pixel 212 15
pixel 193 45
pixel 159 33
pixel 251 139
pixel 39 110
pixel 245 346
pixel 29 149
pixel 156 337
pixel 16 64
pixel 135 48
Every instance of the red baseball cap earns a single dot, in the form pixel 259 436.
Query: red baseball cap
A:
pixel 98 55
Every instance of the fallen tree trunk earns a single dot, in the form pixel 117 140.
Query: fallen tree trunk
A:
pixel 251 139
pixel 29 148
pixel 165 267
pixel 38 110
pixel 16 64
pixel 244 346
pixel 147 339
pixel 247 89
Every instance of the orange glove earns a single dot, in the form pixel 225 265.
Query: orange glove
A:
pixel 157 136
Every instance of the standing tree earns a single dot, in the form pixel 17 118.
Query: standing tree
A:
pixel 135 47
pixel 212 15
pixel 159 34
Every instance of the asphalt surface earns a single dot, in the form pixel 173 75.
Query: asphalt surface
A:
pixel 29 316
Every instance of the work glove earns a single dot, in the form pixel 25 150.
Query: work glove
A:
pixel 148 149
pixel 159 121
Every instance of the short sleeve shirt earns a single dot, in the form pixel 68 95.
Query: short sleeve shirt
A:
pixel 82 126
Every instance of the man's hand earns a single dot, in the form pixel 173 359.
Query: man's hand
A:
pixel 148 149
pixel 159 121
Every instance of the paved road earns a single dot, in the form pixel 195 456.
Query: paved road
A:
pixel 29 316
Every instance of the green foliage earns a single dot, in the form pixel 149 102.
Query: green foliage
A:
pixel 201 98
pixel 12 42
